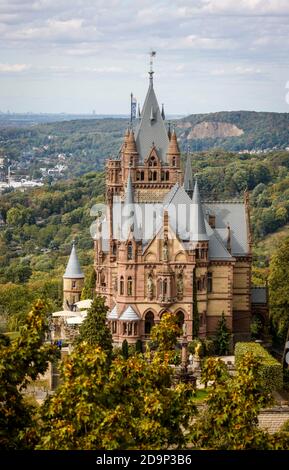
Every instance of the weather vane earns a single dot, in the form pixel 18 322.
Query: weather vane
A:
pixel 152 54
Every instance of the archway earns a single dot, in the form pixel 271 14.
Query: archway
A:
pixel 149 322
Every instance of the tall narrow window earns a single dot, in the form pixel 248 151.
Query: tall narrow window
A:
pixel 165 287
pixel 142 175
pixel 73 284
pixel 174 161
pixel 121 286
pixel 210 282
pixel 149 322
pixel 129 285
pixel 129 251
pixel 167 175
pixel 180 318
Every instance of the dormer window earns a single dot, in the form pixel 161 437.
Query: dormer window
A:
pixel 152 161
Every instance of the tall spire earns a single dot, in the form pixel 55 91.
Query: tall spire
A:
pixel 73 269
pixel 198 225
pixel 173 148
pixel 151 128
pixel 188 176
pixel 129 190
pixel 130 143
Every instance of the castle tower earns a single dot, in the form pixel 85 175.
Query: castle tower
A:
pixel 73 280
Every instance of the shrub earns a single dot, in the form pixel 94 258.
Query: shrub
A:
pixel 207 349
pixel 192 346
pixel 271 373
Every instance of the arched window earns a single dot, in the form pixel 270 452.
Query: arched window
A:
pixel 155 175
pixel 142 175
pixel 102 280
pixel 129 285
pixel 174 161
pixel 121 286
pixel 114 249
pixel 138 175
pixel 149 322
pixel 152 161
pixel 180 318
pixel 167 175
pixel 129 251
pixel 113 327
pixel 162 175
pixel 129 328
pixel 150 175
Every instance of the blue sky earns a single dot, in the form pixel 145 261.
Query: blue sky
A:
pixel 79 55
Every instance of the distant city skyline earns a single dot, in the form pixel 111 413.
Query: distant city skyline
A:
pixel 74 57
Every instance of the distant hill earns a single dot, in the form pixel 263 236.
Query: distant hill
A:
pixel 234 130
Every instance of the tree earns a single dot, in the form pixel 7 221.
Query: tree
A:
pixel 231 419
pixel 133 405
pixel 22 360
pixel 94 330
pixel 196 317
pixel 222 337
pixel 89 285
pixel 279 288
pixel 124 349
pixel 166 333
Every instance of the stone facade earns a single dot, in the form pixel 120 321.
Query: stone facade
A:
pixel 142 278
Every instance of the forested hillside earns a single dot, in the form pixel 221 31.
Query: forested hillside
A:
pixel 38 225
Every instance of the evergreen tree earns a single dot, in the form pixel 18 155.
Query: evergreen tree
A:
pixel 223 337
pixel 196 317
pixel 94 330
pixel 138 346
pixel 89 285
pixel 124 349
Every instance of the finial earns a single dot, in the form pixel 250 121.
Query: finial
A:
pixel 151 72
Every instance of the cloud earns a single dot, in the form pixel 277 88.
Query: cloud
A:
pixel 248 7
pixel 237 70
pixel 13 68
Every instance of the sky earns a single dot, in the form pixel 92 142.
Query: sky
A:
pixel 76 56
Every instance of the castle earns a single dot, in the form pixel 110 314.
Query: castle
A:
pixel 160 247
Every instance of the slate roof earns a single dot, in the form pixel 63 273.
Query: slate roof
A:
pixel 73 269
pixel 188 175
pixel 151 131
pixel 112 315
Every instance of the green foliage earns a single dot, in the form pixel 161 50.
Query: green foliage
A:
pixel 279 288
pixel 138 346
pixel 21 361
pixel 256 327
pixel 223 336
pixel 88 290
pixel 166 333
pixel 230 421
pixel 270 370
pixel 207 346
pixel 132 406
pixel 124 349
pixel 94 330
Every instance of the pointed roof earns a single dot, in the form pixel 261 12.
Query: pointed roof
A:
pixel 151 130
pixel 173 148
pixel 188 176
pixel 73 269
pixel 112 315
pixel 128 199
pixel 129 314
pixel 130 143
pixel 198 226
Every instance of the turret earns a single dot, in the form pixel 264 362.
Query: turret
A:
pixel 73 280
pixel 173 153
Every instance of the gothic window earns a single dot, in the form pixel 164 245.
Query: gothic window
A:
pixel 167 175
pixel 121 286
pixel 102 280
pixel 149 322
pixel 124 328
pixel 180 318
pixel 129 328
pixel 142 175
pixel 150 175
pixel 152 161
pixel 174 161
pixel 73 284
pixel 129 251
pixel 129 285
pixel 162 175
pixel 114 249
pixel 210 282
pixel 197 253
pixel 138 175
pixel 155 175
